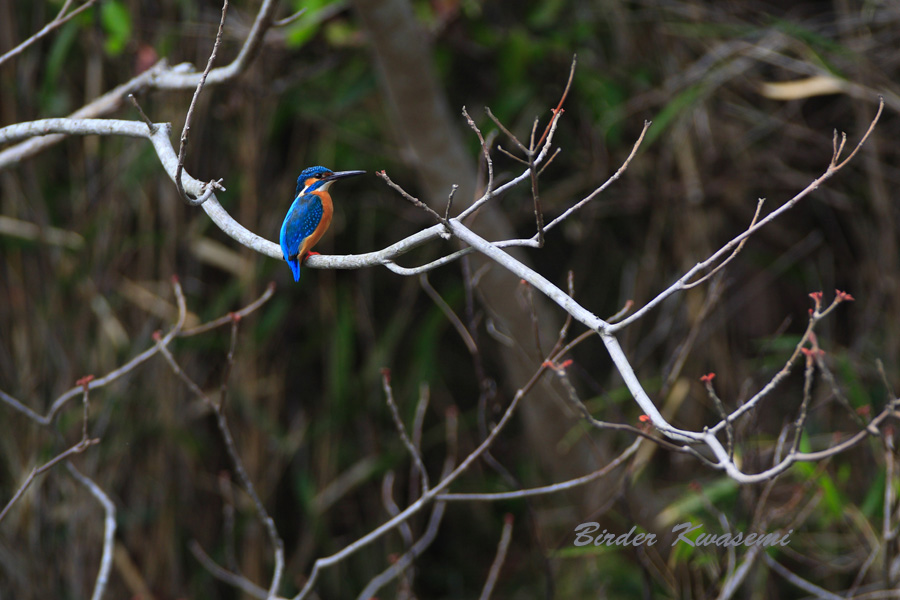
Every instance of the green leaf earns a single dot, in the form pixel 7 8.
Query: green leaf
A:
pixel 304 28
pixel 874 500
pixel 116 24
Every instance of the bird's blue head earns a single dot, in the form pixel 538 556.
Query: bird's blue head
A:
pixel 319 178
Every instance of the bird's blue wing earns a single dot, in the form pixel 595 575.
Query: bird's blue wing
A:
pixel 301 221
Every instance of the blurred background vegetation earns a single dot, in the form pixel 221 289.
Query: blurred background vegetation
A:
pixel 306 401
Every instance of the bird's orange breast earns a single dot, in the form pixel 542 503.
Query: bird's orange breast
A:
pixel 322 227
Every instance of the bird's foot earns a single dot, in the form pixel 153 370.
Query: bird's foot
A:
pixel 308 254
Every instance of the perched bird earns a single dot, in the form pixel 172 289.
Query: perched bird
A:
pixel 309 215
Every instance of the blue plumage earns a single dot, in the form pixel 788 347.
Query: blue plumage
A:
pixel 318 174
pixel 301 221
pixel 309 215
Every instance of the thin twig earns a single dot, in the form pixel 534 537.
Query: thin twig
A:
pixel 737 250
pixel 807 396
pixel 261 511
pixel 290 19
pixel 833 168
pixel 109 530
pixel 150 125
pixel 547 164
pixel 499 558
pixel 229 362
pixel 485 151
pixel 231 447
pixel 434 521
pixel 450 201
pixel 390 505
pixel 511 155
pixel 78 448
pixel 163 341
pixel 159 76
pixel 190 113
pixel 58 21
pixel 418 423
pixel 506 131
pixel 626 308
pixel 720 409
pixel 449 313
pixel 403 563
pixel 401 429
pixel 230 317
pixel 418 505
pixel 562 98
pixel 415 201
pixel 547 489
pixel 798 581
pixel 226 487
pixel 233 579
pixel 606 183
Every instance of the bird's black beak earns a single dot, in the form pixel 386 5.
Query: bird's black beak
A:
pixel 341 174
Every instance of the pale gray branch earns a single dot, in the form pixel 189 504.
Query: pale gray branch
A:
pixel 160 76
pixel 60 19
pixel 109 530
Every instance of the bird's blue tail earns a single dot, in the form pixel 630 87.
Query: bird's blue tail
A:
pixel 294 264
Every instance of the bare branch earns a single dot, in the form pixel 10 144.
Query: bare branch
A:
pixel 160 343
pixel 737 250
pixel 605 185
pixel 61 19
pixel 499 558
pixel 804 404
pixel 222 423
pixel 450 201
pixel 415 201
pixel 511 155
pixel 188 80
pixel 233 579
pixel 290 19
pixel 485 150
pixel 390 505
pixel 545 150
pixel 230 317
pixel 798 581
pixel 150 126
pixel 43 127
pixel 78 448
pixel 166 153
pixel 837 154
pixel 425 500
pixel 448 312
pixel 506 131
pixel 720 408
pixel 190 113
pixel 562 98
pixel 418 423
pixel 833 168
pixel 433 522
pixel 408 557
pixel 160 76
pixel 109 530
pixel 401 429
pixel 547 489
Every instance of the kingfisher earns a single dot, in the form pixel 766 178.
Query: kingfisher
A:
pixel 310 214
